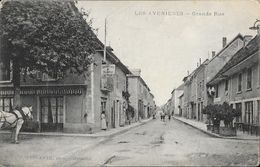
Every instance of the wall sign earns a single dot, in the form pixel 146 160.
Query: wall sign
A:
pixel 44 91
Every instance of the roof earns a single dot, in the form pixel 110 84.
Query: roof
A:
pixel 194 72
pixel 181 87
pixel 208 61
pixel 224 48
pixel 245 52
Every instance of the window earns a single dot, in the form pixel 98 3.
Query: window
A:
pixel 103 105
pixel 259 73
pixel 5 70
pixel 248 112
pixel 226 85
pixel 53 76
pixel 258 112
pixel 51 110
pixel 249 79
pixel 216 91
pixel 117 81
pixel 6 104
pixel 239 107
pixel 239 85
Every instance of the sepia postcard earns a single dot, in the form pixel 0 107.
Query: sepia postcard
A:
pixel 129 83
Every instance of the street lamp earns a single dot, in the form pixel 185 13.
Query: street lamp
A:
pixel 256 26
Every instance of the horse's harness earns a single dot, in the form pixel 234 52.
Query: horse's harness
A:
pixel 24 117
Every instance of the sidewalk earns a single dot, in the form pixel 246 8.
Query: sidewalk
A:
pixel 203 128
pixel 108 133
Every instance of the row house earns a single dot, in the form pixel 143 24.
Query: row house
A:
pixel 181 105
pixel 188 111
pixel 238 83
pixel 175 101
pixel 72 103
pixel 140 96
pixel 220 59
pixel 151 105
pixel 196 92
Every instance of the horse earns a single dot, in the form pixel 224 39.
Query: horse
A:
pixel 14 120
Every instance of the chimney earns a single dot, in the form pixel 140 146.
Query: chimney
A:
pixel 213 54
pixel 224 41
pixel 200 61
pixel 246 40
pixel 109 48
pixel 197 64
pixel 136 72
pixel 188 72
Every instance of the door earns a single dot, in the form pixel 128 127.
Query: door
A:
pixel 51 113
pixel 198 111
pixel 113 123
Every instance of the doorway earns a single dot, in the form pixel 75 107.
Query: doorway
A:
pixel 51 113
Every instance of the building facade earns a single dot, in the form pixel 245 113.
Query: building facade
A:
pixel 238 83
pixel 140 97
pixel 175 101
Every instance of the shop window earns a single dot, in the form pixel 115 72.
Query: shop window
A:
pixel 249 79
pixel 239 85
pixel 6 103
pixel 52 110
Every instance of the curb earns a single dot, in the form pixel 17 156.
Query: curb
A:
pixel 127 129
pixel 94 135
pixel 212 134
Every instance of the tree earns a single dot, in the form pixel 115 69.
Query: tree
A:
pixel 229 114
pixel 224 112
pixel 45 36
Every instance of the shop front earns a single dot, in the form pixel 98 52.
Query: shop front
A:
pixel 52 105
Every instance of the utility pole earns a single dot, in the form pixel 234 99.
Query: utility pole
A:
pixel 105 41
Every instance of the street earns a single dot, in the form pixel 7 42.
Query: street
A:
pixel 155 143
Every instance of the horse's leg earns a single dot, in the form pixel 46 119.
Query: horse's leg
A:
pixel 17 130
pixel 12 134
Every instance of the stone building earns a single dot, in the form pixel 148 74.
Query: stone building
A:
pixel 72 103
pixel 139 95
pixel 196 93
pixel 175 102
pixel 221 58
pixel 238 82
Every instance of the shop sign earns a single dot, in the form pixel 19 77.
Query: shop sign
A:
pixel 56 91
pixel 108 69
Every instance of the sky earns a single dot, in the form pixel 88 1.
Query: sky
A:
pixel 165 39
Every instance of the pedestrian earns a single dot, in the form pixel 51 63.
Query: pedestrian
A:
pixel 163 116
pixel 103 121
pixel 169 117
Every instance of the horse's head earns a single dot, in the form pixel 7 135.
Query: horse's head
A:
pixel 28 112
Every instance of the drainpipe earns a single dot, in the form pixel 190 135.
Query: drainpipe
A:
pixel 92 118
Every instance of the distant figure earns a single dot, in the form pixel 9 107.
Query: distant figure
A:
pixel 169 117
pixel 163 116
pixel 103 121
